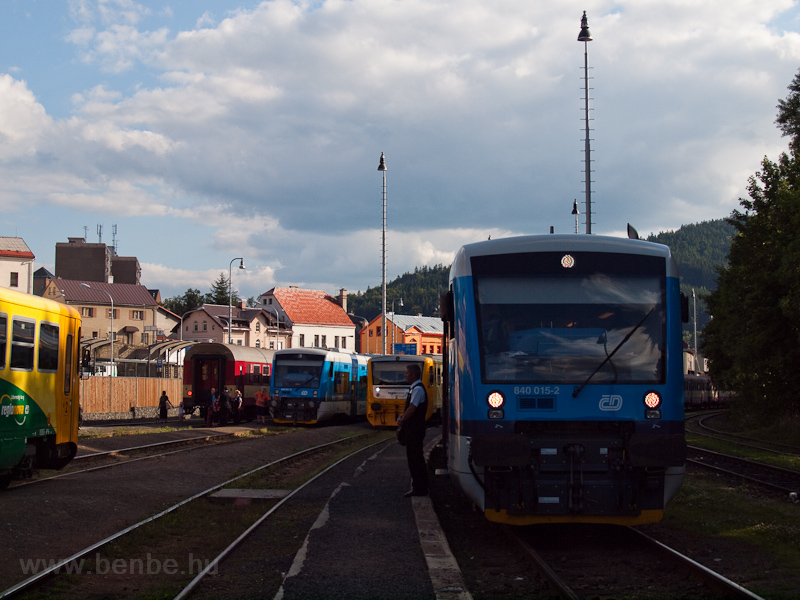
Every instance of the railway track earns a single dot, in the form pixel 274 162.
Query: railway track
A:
pixel 705 429
pixel 122 455
pixel 616 562
pixel 761 471
pixel 141 546
pixel 779 479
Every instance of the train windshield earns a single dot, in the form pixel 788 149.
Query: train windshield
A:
pixel 298 370
pixel 563 319
pixel 391 372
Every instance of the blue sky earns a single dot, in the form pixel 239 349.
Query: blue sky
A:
pixel 206 130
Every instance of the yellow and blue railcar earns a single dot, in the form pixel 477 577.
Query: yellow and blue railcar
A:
pixel 39 384
pixel 387 387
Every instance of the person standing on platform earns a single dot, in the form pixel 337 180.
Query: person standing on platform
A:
pixel 212 400
pixel 261 405
pixel 163 406
pixel 224 406
pixel 414 425
pixel 236 406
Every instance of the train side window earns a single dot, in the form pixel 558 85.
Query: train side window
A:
pixel 48 347
pixel 22 339
pixel 3 336
pixel 68 366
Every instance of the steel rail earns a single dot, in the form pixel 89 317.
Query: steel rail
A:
pixel 81 553
pixel 204 438
pixel 739 476
pixel 116 464
pixel 185 592
pixel 724 585
pixel 555 581
pixel 782 449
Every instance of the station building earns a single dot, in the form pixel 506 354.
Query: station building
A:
pixel 405 334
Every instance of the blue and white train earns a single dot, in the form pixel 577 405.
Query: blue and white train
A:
pixel 564 399
pixel 312 385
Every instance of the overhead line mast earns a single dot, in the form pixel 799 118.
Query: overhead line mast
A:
pixel 586 37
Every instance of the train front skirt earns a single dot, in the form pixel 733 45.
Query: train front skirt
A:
pixel 594 478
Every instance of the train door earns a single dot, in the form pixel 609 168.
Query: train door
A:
pixel 208 373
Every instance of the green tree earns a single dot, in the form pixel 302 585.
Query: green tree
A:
pixel 219 292
pixel 753 341
pixel 180 305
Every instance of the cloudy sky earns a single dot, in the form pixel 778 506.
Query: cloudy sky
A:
pixel 206 130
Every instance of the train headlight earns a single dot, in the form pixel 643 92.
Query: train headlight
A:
pixel 652 399
pixel 377 392
pixel 311 404
pixel 495 399
pixel 652 402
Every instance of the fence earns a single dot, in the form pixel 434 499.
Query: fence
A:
pixel 120 394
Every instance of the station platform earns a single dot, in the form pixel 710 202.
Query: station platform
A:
pixel 370 542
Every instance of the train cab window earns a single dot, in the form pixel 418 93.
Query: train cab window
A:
pixel 22 338
pixel 3 336
pixel 601 317
pixel 48 347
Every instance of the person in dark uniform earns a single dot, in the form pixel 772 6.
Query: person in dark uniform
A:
pixel 224 406
pixel 163 406
pixel 236 406
pixel 414 425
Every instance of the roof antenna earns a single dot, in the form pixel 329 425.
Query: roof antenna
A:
pixel 632 233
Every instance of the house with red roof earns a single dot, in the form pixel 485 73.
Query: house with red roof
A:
pixel 315 318
pixel 253 327
pixel 16 265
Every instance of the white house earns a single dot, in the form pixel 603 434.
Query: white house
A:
pixel 16 265
pixel 316 319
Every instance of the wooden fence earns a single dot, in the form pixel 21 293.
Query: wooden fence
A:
pixel 119 394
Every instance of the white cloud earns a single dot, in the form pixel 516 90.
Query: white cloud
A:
pixel 256 129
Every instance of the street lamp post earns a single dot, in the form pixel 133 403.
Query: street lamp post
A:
pixel 230 294
pixel 382 167
pixel 111 337
pixel 586 37
pixel 393 325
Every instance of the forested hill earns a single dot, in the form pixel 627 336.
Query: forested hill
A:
pixel 419 291
pixel 698 250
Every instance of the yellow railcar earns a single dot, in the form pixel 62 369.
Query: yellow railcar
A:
pixel 39 384
pixel 387 387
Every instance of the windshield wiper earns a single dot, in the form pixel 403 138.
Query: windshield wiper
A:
pixel 614 351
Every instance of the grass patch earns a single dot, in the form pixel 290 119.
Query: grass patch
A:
pixel 707 507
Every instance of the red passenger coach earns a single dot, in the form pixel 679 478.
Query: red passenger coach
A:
pixel 211 365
